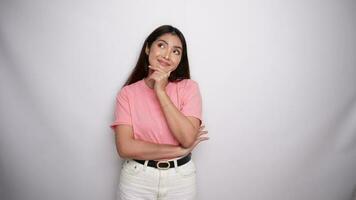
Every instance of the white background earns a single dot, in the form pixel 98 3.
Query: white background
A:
pixel 278 80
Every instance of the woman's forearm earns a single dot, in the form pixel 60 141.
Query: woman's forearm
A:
pixel 137 149
pixel 182 129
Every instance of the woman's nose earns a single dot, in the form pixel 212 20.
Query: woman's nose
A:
pixel 166 54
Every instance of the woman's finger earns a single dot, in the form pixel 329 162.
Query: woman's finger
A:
pixel 159 72
pixel 156 68
pixel 166 72
pixel 166 69
pixel 202 132
pixel 203 137
pixel 200 140
pixel 156 75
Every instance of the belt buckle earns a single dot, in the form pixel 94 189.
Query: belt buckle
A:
pixel 163 162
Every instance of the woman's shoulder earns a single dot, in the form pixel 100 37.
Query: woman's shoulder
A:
pixel 187 83
pixel 127 89
pixel 137 84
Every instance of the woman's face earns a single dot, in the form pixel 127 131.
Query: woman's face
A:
pixel 165 52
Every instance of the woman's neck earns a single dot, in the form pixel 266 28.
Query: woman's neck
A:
pixel 150 83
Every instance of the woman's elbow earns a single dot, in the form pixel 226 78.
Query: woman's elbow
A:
pixel 123 151
pixel 123 154
pixel 187 144
pixel 188 141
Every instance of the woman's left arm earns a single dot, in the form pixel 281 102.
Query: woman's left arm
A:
pixel 184 128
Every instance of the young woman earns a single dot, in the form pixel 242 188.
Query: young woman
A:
pixel 158 121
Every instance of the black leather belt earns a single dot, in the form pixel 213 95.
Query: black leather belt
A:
pixel 166 164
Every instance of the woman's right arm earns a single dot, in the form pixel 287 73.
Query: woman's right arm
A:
pixel 130 148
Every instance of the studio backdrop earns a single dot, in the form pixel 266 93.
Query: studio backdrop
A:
pixel 277 77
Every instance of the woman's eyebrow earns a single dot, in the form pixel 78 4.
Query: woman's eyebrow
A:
pixel 178 47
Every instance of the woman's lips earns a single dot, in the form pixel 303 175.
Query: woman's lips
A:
pixel 163 63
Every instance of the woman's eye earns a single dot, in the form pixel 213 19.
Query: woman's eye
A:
pixel 176 52
pixel 160 45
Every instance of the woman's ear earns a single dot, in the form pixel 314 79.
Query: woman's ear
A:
pixel 147 50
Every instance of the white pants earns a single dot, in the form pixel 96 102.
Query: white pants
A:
pixel 141 182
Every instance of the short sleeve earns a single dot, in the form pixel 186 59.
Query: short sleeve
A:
pixel 122 109
pixel 191 102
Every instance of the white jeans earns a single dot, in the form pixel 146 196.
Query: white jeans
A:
pixel 141 182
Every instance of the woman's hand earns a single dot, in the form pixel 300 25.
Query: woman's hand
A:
pixel 202 136
pixel 160 77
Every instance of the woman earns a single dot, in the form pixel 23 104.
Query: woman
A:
pixel 158 121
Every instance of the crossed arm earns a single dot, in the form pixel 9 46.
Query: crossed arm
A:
pixel 186 130
pixel 128 147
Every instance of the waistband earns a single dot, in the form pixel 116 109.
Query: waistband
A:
pixel 166 164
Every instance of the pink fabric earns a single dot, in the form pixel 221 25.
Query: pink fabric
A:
pixel 138 106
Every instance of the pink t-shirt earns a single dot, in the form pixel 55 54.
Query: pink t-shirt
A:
pixel 138 106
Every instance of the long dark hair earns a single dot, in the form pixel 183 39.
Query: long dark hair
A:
pixel 141 69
